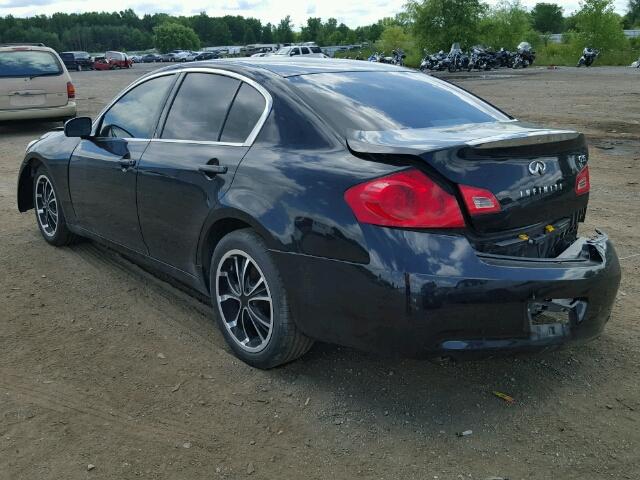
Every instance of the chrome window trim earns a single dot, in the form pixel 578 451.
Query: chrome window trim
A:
pixel 183 71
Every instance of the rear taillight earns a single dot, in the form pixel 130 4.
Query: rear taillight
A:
pixel 71 90
pixel 479 201
pixel 583 185
pixel 408 199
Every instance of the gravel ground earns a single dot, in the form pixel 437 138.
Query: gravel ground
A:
pixel 103 365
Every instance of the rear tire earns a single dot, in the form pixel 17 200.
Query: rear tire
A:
pixel 49 214
pixel 251 303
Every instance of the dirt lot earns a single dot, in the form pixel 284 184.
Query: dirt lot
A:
pixel 102 364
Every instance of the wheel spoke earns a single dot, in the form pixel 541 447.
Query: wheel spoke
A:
pixel 256 325
pixel 233 289
pixel 253 289
pixel 260 298
pixel 258 318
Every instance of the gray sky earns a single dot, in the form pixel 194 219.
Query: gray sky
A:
pixel 352 12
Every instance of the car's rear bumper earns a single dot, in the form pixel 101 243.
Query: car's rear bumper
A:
pixel 67 111
pixel 459 301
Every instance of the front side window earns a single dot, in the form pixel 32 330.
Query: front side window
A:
pixel 136 113
pixel 245 112
pixel 200 107
pixel 28 63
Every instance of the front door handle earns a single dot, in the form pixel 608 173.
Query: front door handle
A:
pixel 212 170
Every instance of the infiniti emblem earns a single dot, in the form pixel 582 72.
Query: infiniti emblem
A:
pixel 537 168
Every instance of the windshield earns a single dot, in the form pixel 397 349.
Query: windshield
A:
pixel 28 63
pixel 375 101
pixel 284 51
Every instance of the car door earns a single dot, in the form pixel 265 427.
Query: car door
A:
pixel 207 130
pixel 103 168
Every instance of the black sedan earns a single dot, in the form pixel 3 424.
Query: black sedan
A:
pixel 350 202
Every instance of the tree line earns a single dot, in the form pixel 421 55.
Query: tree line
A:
pixel 431 24
pixel 125 30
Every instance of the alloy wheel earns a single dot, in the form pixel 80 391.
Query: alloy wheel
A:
pixel 244 300
pixel 46 206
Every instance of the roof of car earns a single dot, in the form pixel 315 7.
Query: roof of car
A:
pixel 288 67
pixel 18 47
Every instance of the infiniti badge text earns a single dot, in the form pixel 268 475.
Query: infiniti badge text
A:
pixel 541 190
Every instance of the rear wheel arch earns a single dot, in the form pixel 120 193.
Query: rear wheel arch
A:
pixel 25 183
pixel 219 228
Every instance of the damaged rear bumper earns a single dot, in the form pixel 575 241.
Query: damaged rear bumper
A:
pixel 435 294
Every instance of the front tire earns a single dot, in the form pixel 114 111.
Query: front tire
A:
pixel 251 303
pixel 49 214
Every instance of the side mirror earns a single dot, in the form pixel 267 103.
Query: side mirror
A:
pixel 78 127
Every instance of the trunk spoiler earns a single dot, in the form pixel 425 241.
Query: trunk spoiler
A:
pixel 475 135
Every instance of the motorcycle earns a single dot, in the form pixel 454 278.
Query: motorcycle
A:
pixel 374 57
pixel 397 57
pixel 457 59
pixel 504 58
pixel 589 56
pixel 525 55
pixel 479 59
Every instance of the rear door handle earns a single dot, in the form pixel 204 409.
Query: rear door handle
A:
pixel 126 162
pixel 212 170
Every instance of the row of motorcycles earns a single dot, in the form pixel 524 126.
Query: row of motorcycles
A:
pixel 397 57
pixel 478 58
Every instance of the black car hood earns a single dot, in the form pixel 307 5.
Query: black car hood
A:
pixel 418 141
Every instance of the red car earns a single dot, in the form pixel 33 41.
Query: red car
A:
pixel 119 59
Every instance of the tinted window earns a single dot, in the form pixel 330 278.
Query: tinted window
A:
pixel 200 107
pixel 28 63
pixel 376 101
pixel 305 50
pixel 295 51
pixel 316 50
pixel 244 114
pixel 135 114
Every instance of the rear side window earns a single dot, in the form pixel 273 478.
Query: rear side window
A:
pixel 375 101
pixel 245 112
pixel 305 51
pixel 28 63
pixel 136 113
pixel 316 50
pixel 200 107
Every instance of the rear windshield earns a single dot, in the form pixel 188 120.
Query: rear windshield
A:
pixel 375 101
pixel 28 63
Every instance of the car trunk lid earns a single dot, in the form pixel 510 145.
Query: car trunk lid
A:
pixel 530 170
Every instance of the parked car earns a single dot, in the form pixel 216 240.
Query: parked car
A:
pixel 151 58
pixel 191 56
pixel 118 59
pixel 136 58
pixel 102 63
pixel 34 84
pixel 207 56
pixel 175 56
pixel 300 51
pixel 77 60
pixel 310 206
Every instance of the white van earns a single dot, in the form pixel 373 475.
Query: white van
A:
pixel 34 83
